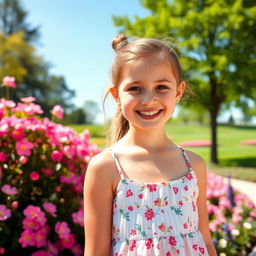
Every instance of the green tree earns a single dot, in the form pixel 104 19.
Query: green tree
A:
pixel 76 116
pixel 91 110
pixel 13 19
pixel 217 39
pixel 18 58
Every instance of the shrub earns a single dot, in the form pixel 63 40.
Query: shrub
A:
pixel 42 167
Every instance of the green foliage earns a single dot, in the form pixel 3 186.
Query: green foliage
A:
pixel 91 109
pixel 18 58
pixel 77 116
pixel 13 51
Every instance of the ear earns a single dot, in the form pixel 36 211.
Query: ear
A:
pixel 180 91
pixel 114 93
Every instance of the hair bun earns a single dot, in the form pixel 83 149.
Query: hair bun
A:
pixel 119 41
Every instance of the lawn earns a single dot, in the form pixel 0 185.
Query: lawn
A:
pixel 234 158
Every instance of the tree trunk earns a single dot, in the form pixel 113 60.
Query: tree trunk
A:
pixel 214 151
pixel 213 116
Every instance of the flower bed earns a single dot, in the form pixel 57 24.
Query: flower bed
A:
pixel 195 143
pixel 42 167
pixel 232 217
pixel 248 142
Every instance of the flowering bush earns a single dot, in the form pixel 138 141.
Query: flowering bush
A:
pixel 42 167
pixel 232 218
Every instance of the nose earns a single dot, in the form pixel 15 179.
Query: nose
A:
pixel 148 97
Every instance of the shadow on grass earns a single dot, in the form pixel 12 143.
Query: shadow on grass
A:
pixel 241 127
pixel 239 162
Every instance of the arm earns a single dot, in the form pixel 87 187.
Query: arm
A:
pixel 200 169
pixel 98 198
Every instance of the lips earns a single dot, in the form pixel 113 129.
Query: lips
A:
pixel 149 114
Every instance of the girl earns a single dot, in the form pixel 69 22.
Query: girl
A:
pixel 144 195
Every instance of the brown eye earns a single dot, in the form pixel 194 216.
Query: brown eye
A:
pixel 134 89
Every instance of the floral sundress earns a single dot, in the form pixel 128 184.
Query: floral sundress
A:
pixel 156 219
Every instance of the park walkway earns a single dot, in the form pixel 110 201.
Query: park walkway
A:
pixel 246 187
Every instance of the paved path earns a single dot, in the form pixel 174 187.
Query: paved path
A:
pixel 246 187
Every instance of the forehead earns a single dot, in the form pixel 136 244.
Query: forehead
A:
pixel 151 68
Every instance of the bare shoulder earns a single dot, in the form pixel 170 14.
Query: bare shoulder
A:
pixel 197 162
pixel 98 199
pixel 101 166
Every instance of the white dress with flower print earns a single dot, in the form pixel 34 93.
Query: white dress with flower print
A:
pixel 156 219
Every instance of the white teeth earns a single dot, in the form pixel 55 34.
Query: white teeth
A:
pixel 151 113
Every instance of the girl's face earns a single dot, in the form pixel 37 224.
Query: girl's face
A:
pixel 148 92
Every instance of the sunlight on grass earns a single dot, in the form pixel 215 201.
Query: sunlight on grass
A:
pixel 234 158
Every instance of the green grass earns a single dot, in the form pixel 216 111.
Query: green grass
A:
pixel 234 158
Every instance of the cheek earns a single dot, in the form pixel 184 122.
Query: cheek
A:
pixel 127 100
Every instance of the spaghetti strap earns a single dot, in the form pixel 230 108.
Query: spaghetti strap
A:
pixel 118 166
pixel 186 158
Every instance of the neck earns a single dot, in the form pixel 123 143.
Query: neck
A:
pixel 152 140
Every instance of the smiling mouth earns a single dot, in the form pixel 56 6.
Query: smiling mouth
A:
pixel 149 114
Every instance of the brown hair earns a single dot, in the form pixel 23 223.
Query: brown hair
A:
pixel 129 51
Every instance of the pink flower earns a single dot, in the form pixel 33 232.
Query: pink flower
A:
pixel 3 157
pixel 56 156
pixel 23 159
pixel 52 248
pixel 31 224
pixel 15 205
pixel 51 208
pixel 24 147
pixel 151 187
pixel 8 190
pixel 57 111
pixel 40 238
pixel 62 229
pixel 68 242
pixel 129 193
pixel 34 176
pixel 28 99
pixel 9 81
pixel 69 151
pixel 149 243
pixel 2 250
pixel 77 250
pixel 4 128
pixel 172 241
pixel 140 196
pixel 5 213
pixel 175 190
pixel 162 227
pixel 27 238
pixel 78 217
pixel 18 133
pixel 31 211
pixel 149 214
pixel 40 253
pixel 130 208
pixel 47 171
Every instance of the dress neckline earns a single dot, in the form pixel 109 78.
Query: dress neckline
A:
pixel 191 171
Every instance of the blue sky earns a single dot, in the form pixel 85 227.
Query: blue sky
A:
pixel 76 39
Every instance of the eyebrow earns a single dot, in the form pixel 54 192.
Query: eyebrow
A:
pixel 157 81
